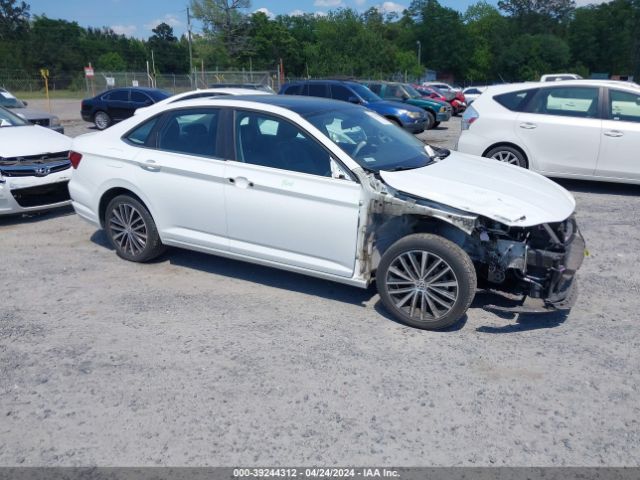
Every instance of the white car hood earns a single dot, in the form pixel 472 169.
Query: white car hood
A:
pixel 31 140
pixel 505 193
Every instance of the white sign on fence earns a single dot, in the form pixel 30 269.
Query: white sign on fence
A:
pixel 111 81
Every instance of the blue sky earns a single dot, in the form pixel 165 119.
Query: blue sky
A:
pixel 138 17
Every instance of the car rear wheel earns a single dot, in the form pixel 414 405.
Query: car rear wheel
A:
pixel 131 230
pixel 426 281
pixel 102 120
pixel 435 125
pixel 508 155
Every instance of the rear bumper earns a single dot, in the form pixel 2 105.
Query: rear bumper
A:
pixel 86 116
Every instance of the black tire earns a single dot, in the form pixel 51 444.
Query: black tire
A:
pixel 131 230
pixel 435 125
pixel 454 266
pixel 102 120
pixel 431 120
pixel 507 154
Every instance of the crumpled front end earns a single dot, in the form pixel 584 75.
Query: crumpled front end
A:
pixel 539 262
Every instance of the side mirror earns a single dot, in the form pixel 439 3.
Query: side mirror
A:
pixel 25 103
pixel 355 100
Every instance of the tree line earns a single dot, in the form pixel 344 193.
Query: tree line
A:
pixel 514 40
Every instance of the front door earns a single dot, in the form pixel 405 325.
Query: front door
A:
pixel 283 204
pixel 561 130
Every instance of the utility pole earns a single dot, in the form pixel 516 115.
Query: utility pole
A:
pixel 190 47
pixel 419 43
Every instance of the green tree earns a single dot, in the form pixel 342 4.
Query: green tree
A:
pixel 14 18
pixel 170 56
pixel 224 21
pixel 111 62
pixel 539 16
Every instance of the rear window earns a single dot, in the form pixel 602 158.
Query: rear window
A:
pixel 316 90
pixel 515 101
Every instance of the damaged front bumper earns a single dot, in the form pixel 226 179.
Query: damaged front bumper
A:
pixel 551 272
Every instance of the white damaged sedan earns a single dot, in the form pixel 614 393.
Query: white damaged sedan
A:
pixel 34 168
pixel 332 190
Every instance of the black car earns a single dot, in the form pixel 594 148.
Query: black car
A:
pixel 117 104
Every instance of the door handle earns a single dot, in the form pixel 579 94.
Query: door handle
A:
pixel 241 182
pixel 528 125
pixel 614 133
pixel 150 166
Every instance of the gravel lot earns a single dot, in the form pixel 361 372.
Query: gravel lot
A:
pixel 198 360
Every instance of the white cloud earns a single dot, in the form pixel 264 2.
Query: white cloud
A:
pixel 320 14
pixel 296 13
pixel 127 30
pixel 391 7
pixel 266 11
pixel 327 3
pixel 169 19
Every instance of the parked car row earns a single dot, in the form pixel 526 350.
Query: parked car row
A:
pixel 20 108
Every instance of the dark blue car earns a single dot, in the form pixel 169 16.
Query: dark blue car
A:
pixel 114 105
pixel 410 118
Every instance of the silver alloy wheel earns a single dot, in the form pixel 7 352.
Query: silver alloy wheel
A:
pixel 422 285
pixel 101 120
pixel 506 157
pixel 128 228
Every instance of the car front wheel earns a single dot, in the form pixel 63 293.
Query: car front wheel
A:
pixel 426 281
pixel 102 120
pixel 508 155
pixel 131 230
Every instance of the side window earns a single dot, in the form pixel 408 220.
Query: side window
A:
pixel 140 135
pixel 316 90
pixel 117 95
pixel 340 92
pixel 566 101
pixel 270 141
pixel 190 131
pixel 139 97
pixel 375 88
pixel 515 101
pixel 394 91
pixel 293 90
pixel 624 106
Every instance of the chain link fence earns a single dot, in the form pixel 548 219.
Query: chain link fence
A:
pixel 16 80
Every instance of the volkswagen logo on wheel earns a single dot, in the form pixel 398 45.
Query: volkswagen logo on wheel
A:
pixel 42 171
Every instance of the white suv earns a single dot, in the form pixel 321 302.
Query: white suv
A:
pixel 575 129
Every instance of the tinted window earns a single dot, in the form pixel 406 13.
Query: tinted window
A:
pixel 473 91
pixel 117 95
pixel 139 97
pixel 339 92
pixel 140 135
pixel 624 106
pixel 190 131
pixel 515 101
pixel 375 88
pixel 394 91
pixel 293 90
pixel 273 142
pixel 566 101
pixel 316 90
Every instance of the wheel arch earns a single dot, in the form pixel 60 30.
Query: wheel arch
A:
pixel 112 193
pixel 508 144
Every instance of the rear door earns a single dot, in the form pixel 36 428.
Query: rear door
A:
pixel 118 105
pixel 181 171
pixel 561 130
pixel 619 152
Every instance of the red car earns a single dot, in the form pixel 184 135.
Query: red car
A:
pixel 456 99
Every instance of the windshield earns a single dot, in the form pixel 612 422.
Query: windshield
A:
pixel 8 119
pixel 366 94
pixel 9 101
pixel 412 92
pixel 371 140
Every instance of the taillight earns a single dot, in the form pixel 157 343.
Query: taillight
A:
pixel 74 158
pixel 469 117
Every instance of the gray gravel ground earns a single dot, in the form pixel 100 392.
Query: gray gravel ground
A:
pixel 198 360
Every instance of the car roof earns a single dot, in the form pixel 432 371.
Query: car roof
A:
pixel 513 87
pixel 299 104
